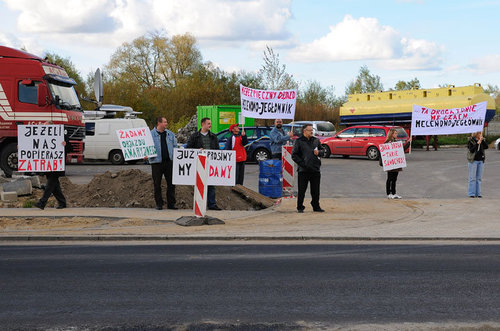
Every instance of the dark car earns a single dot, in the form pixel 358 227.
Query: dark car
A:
pixel 259 143
pixel 360 140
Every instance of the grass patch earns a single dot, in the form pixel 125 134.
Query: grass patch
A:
pixel 28 203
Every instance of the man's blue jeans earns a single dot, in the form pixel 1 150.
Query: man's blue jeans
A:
pixel 475 176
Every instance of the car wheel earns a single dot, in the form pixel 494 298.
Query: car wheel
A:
pixel 261 154
pixel 116 157
pixel 326 151
pixel 8 159
pixel 373 153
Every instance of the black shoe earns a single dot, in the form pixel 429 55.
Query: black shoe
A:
pixel 479 196
pixel 214 208
pixel 471 196
pixel 39 205
pixel 300 211
pixel 61 206
pixel 172 207
pixel 319 210
pixel 159 207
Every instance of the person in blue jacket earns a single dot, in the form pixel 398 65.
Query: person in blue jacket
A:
pixel 162 163
pixel 278 138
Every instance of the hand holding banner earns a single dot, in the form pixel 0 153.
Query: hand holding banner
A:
pixel 393 155
pixel 40 148
pixel 268 104
pixel 428 121
pixel 136 143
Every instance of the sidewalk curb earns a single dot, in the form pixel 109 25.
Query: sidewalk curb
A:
pixel 234 238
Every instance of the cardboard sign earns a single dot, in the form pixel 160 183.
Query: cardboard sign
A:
pixel 393 155
pixel 267 103
pixel 136 143
pixel 221 167
pixel 428 121
pixel 40 148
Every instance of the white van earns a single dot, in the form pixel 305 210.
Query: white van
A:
pixel 101 141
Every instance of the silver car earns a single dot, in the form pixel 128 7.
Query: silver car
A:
pixel 320 128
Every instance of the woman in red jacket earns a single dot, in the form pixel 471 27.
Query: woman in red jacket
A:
pixel 237 143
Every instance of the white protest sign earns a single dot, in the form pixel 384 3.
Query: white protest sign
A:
pixel 136 143
pixel 40 148
pixel 393 155
pixel 267 103
pixel 221 167
pixel 428 121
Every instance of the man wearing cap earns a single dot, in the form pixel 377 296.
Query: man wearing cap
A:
pixel 237 143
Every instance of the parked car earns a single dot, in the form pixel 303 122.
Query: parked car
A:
pixel 497 144
pixel 320 128
pixel 259 144
pixel 360 140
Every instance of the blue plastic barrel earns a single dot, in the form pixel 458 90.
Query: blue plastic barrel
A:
pixel 270 178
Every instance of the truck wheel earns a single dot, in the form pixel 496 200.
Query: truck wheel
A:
pixel 8 159
pixel 116 157
pixel 261 154
pixel 373 153
pixel 326 151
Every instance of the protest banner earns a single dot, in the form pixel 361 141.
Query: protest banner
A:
pixel 136 143
pixel 221 167
pixel 267 103
pixel 40 148
pixel 428 121
pixel 393 155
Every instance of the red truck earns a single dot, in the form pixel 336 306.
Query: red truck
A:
pixel 34 91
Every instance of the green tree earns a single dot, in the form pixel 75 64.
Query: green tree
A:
pixel 365 82
pixel 274 73
pixel 413 84
pixel 492 90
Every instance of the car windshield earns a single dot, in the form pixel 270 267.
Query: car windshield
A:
pixel 401 133
pixel 66 95
pixel 326 126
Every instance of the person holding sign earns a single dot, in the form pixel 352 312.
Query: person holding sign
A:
pixel 476 157
pixel 392 175
pixel 53 186
pixel 306 154
pixel 161 164
pixel 278 138
pixel 205 139
pixel 237 142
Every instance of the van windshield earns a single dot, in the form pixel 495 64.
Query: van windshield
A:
pixel 67 96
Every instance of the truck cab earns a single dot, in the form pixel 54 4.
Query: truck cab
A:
pixel 34 91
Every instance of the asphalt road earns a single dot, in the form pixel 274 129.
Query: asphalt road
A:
pixel 248 286
pixel 435 174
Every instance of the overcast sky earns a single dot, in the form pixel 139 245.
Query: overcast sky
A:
pixel 441 41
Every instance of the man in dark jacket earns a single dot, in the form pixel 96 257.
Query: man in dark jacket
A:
pixel 204 139
pixel 306 154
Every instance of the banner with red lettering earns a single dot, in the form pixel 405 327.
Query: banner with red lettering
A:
pixel 428 121
pixel 393 155
pixel 40 148
pixel 221 167
pixel 136 143
pixel 268 103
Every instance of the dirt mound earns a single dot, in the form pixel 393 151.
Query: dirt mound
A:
pixel 134 189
